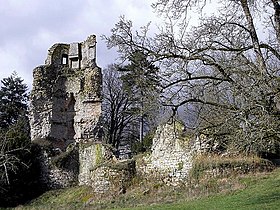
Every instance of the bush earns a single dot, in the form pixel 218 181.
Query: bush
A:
pixel 19 170
pixel 146 145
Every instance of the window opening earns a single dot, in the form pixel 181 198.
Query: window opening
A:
pixel 64 59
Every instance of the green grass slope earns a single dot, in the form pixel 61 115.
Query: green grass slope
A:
pixel 259 191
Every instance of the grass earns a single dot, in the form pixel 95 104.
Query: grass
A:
pixel 71 198
pixel 261 192
pixel 233 190
pixel 206 165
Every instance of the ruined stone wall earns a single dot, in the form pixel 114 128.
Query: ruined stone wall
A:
pixel 91 155
pixel 58 171
pixel 113 178
pixel 102 171
pixel 65 108
pixel 172 154
pixel 66 96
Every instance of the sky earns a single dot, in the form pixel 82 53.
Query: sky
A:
pixel 30 27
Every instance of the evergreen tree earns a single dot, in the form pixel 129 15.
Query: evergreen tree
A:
pixel 141 82
pixel 17 167
pixel 13 100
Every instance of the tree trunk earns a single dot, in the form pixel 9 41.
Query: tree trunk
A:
pixel 276 7
pixel 141 129
pixel 254 36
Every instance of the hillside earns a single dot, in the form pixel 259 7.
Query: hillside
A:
pixel 254 191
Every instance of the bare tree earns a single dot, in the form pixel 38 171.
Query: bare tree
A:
pixel 116 107
pixel 130 104
pixel 225 67
pixel 10 161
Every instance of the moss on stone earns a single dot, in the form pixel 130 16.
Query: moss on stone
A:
pixel 180 165
pixel 222 165
pixel 68 160
pixel 179 126
pixel 128 165
pixel 98 154
pixel 83 145
pixel 182 135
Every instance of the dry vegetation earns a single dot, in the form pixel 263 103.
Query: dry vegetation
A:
pixel 145 191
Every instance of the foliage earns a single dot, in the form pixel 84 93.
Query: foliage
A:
pixel 68 159
pixel 14 147
pixel 141 83
pixel 141 76
pixel 145 145
pixel 129 101
pixel 223 166
pixel 13 100
pixel 223 73
pixel 18 169
pixel 14 129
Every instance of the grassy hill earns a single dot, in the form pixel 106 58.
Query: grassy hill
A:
pixel 254 191
pixel 260 192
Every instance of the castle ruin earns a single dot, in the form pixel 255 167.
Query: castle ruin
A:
pixel 66 96
pixel 65 108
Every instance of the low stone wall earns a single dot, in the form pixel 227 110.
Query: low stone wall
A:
pixel 91 155
pixel 210 166
pixel 113 177
pixel 102 171
pixel 59 178
pixel 59 171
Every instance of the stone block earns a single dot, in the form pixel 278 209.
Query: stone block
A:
pixel 74 50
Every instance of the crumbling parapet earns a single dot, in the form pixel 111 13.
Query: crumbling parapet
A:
pixel 75 55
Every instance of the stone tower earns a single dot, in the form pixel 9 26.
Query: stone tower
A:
pixel 66 96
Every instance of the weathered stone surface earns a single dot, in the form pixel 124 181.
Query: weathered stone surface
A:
pixel 90 156
pixel 113 177
pixel 60 171
pixel 65 105
pixel 65 109
pixel 100 170
pixel 66 96
pixel 172 154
